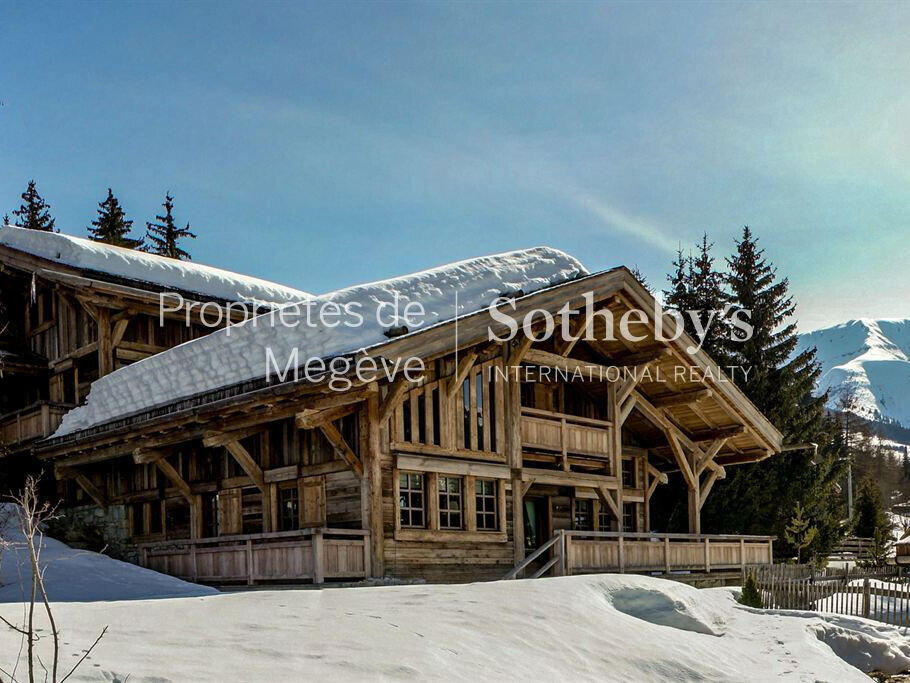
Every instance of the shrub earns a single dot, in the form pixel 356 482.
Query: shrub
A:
pixel 751 597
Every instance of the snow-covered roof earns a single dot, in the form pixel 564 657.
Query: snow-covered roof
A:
pixel 238 354
pixel 184 276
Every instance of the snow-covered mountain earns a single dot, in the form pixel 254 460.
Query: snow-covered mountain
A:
pixel 872 357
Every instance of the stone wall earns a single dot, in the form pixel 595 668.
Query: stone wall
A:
pixel 91 528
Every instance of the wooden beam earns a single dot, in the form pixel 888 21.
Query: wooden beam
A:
pixel 397 390
pixel 566 364
pixel 520 351
pixel 373 457
pixel 626 410
pixel 464 367
pixel 215 439
pixel 526 486
pixel 706 488
pixel 167 469
pixel 89 487
pixel 147 457
pixel 310 419
pixel 657 474
pixel 120 326
pixel 578 329
pixel 681 459
pixel 606 497
pixel 105 347
pixel 330 431
pixel 719 433
pixel 246 462
pixel 708 457
pixel 683 398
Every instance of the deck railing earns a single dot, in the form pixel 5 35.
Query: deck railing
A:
pixel 313 555
pixel 566 435
pixel 585 552
pixel 36 421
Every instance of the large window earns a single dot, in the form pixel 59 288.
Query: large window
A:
pixel 450 508
pixel 486 498
pixel 411 500
pixel 605 519
pixel 582 517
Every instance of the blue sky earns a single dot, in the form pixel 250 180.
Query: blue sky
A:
pixel 323 145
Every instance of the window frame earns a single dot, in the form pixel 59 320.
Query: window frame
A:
pixel 481 512
pixel 446 497
pixel 411 508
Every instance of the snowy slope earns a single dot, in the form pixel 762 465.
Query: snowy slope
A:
pixel 185 276
pixel 604 628
pixel 79 575
pixel 871 357
pixel 238 353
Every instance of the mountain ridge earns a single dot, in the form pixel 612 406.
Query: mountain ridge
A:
pixel 870 358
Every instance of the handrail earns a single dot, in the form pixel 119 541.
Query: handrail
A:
pixel 533 556
pixel 553 415
pixel 642 535
pixel 34 407
pixel 298 533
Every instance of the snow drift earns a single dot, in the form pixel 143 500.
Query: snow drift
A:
pixel 135 265
pixel 78 575
pixel 605 628
pixel 238 354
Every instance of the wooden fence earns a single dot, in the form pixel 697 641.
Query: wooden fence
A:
pixel 586 552
pixel 882 593
pixel 313 555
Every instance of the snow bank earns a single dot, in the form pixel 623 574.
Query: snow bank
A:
pixel 544 629
pixel 78 575
pixel 211 283
pixel 238 354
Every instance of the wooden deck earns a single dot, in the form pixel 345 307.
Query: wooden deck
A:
pixel 308 555
pixel 37 421
pixel 587 552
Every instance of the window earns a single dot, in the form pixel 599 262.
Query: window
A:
pixel 288 509
pixel 628 473
pixel 210 515
pixel 629 517
pixel 411 500
pixel 605 519
pixel 155 520
pixel 486 503
pixel 582 519
pixel 450 516
pixel 137 518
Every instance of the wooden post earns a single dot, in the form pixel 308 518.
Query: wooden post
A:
pixel 512 405
pixel 742 558
pixel 614 410
pixel 866 598
pixel 708 555
pixel 318 557
pixel 249 562
pixel 566 545
pixel 667 554
pixel 622 554
pixel 373 472
pixel 105 348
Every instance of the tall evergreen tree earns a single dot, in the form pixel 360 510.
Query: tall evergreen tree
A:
pixel 758 498
pixel 868 511
pixel 34 212
pixel 679 296
pixel 709 300
pixel 163 236
pixel 112 226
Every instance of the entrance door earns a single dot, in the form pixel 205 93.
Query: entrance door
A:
pixel 537 522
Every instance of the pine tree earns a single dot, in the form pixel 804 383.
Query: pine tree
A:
pixel 709 299
pixel 868 510
pixel 799 532
pixel 679 296
pixel 163 237
pixel 757 498
pixel 111 226
pixel 751 596
pixel 34 212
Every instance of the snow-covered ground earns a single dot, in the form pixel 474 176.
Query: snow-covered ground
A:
pixel 604 627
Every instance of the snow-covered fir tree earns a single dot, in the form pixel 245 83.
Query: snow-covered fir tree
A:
pixel 34 212
pixel 112 226
pixel 164 236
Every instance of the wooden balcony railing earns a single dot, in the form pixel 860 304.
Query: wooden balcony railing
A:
pixel 37 421
pixel 586 552
pixel 566 435
pixel 312 555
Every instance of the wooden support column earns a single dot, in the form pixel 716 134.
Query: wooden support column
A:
pixel 105 345
pixel 512 409
pixel 373 472
pixel 694 500
pixel 254 472
pixel 93 491
pixel 330 431
pixel 168 470
pixel 615 412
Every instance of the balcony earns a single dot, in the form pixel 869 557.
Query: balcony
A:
pixel 307 555
pixel 570 440
pixel 34 422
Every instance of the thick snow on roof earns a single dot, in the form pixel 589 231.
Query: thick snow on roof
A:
pixel 238 354
pixel 157 270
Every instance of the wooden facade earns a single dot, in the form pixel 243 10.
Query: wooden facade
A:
pixel 499 450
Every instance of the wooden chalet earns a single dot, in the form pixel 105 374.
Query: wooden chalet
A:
pixel 74 311
pixel 498 462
